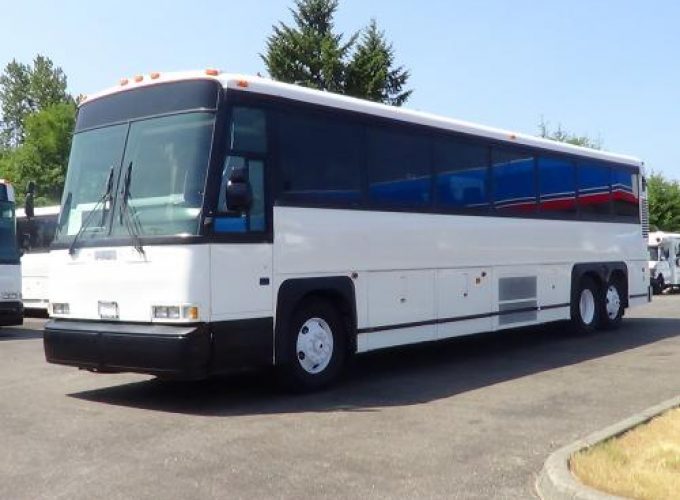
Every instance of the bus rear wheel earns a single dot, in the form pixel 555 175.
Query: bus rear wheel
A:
pixel 612 305
pixel 586 311
pixel 315 347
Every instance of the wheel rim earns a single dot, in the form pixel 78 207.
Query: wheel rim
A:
pixel 613 302
pixel 314 345
pixel 587 306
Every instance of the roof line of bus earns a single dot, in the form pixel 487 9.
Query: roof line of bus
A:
pixel 270 87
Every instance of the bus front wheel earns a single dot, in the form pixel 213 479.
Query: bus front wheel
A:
pixel 315 345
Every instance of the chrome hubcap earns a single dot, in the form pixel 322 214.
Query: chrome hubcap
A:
pixel 613 302
pixel 587 306
pixel 314 345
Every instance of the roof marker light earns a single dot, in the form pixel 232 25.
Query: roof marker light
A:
pixel 242 83
pixel 212 72
pixel 123 82
pixel 155 75
pixel 513 137
pixel 139 78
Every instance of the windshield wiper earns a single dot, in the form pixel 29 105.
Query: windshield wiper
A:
pixel 128 214
pixel 107 196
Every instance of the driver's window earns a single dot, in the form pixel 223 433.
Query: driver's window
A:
pixel 247 152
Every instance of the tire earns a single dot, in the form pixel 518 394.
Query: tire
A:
pixel 315 347
pixel 612 305
pixel 586 311
pixel 658 285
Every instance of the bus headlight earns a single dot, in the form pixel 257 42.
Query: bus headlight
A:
pixel 175 313
pixel 60 308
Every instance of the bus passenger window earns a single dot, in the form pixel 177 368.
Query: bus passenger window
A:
pixel 594 195
pixel 557 185
pixel 462 175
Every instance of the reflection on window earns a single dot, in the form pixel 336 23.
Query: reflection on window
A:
pixel 320 159
pixel 93 154
pixel 169 158
pixel 625 192
pixel 461 170
pixel 593 188
pixel 398 169
pixel 557 185
pixel 248 131
pixel 36 235
pixel 513 181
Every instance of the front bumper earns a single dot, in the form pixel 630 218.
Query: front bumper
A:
pixel 11 313
pixel 161 350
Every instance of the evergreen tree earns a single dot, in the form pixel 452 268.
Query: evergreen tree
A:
pixel 309 53
pixel 371 74
pixel 312 54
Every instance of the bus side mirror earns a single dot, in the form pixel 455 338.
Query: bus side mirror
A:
pixel 239 194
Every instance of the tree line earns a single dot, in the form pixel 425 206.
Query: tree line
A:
pixel 38 113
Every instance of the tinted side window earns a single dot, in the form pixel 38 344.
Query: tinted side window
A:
pixel 320 158
pixel 625 192
pixel 514 180
pixel 248 131
pixel 557 185
pixel 462 174
pixel 398 168
pixel 593 188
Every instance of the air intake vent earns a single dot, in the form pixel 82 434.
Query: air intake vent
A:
pixel 644 218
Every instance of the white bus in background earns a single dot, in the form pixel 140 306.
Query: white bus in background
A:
pixel 664 260
pixel 34 237
pixel 212 222
pixel 11 309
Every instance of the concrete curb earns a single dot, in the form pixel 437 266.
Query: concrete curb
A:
pixel 556 482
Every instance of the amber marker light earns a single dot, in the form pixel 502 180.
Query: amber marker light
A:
pixel 155 75
pixel 123 82
pixel 139 78
pixel 212 72
pixel 242 83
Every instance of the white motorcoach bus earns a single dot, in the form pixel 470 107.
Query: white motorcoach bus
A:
pixel 213 222
pixel 34 237
pixel 11 309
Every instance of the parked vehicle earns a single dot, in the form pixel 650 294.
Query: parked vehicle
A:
pixel 11 307
pixel 664 261
pixel 212 222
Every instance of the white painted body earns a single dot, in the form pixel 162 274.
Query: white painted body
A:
pixel 35 266
pixel 415 268
pixel 421 267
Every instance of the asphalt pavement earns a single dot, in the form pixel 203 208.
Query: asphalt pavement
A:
pixel 469 418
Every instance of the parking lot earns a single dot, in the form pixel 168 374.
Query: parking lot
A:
pixel 470 418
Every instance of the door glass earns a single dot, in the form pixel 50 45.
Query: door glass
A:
pixel 253 219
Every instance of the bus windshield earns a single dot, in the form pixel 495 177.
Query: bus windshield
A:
pixel 8 241
pixel 166 159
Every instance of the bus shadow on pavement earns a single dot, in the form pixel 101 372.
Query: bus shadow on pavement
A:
pixel 398 377
pixel 19 334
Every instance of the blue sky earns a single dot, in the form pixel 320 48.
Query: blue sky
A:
pixel 603 68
